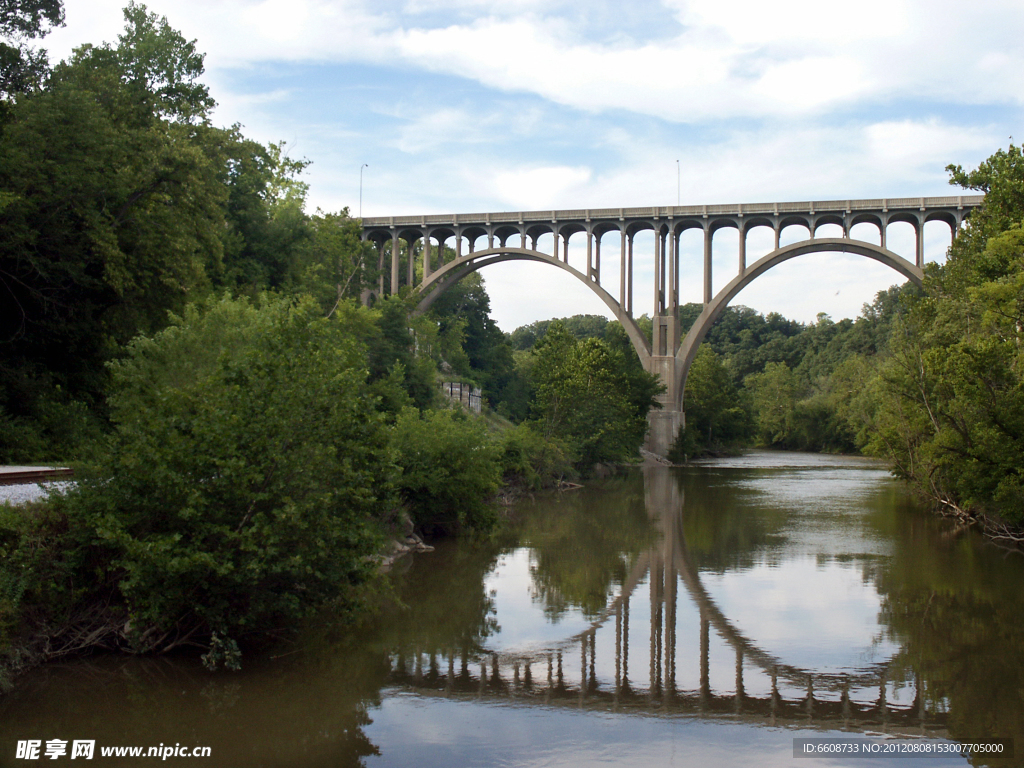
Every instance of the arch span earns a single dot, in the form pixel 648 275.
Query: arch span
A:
pixel 448 275
pixel 713 310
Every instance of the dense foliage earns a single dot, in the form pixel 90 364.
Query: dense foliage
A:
pixel 120 202
pixel 243 483
pixel 950 398
pixel 449 469
pixel 588 397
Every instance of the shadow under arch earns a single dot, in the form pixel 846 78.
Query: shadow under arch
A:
pixel 712 311
pixel 448 275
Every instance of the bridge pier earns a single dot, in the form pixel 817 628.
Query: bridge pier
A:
pixel 664 423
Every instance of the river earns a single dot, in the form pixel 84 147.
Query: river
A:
pixel 706 615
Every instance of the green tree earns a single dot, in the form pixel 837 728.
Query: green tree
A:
pixel 951 396
pixel 715 417
pixel 472 344
pixel 22 68
pixel 113 207
pixel 450 469
pixel 335 264
pixel 269 242
pixel 240 488
pixel 774 393
pixel 583 398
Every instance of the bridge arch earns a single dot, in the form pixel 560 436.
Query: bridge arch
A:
pixel 713 310
pixel 444 278
pixel 666 355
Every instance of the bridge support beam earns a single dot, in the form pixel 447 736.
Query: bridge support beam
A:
pixel 664 423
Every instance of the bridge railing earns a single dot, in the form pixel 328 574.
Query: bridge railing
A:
pixel 717 209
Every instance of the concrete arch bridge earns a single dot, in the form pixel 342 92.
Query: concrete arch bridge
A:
pixel 513 236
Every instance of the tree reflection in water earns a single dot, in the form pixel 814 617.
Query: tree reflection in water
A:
pixel 626 564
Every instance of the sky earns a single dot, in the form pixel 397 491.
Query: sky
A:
pixel 462 106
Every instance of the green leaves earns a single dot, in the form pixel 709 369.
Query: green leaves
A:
pixel 585 397
pixel 951 397
pixel 450 469
pixel 715 415
pixel 247 468
pixel 21 68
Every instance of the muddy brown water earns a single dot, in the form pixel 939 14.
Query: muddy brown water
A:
pixel 706 615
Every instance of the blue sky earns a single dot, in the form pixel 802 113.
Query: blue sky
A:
pixel 481 105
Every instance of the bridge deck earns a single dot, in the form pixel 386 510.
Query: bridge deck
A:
pixel 811 207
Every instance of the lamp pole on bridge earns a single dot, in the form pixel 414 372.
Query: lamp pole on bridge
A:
pixel 364 165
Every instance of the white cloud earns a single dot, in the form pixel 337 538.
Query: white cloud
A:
pixel 759 102
pixel 732 58
pixel 538 187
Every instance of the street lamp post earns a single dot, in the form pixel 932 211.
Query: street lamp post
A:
pixel 364 165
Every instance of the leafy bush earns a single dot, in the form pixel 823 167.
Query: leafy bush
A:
pixel 526 457
pixel 588 398
pixel 450 469
pixel 715 417
pixel 240 486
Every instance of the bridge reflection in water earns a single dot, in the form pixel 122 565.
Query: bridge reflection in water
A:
pixel 764 689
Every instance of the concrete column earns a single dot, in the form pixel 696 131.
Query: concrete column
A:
pixel 739 681
pixel 666 286
pixel 629 277
pixel 673 273
pixel 743 249
pixel 670 615
pixel 658 305
pixel 625 642
pixel 590 254
pixel 597 259
pixel 394 263
pixel 655 627
pixel 583 668
pixel 380 269
pixel 664 423
pixel 522 239
pixel 708 236
pixel 919 242
pixel 622 271
pixel 490 239
pixel 472 244
pixel 426 255
pixel 565 249
pixel 458 249
pixel 675 261
pixel 778 235
pixel 410 267
pixel 554 248
pixel 618 649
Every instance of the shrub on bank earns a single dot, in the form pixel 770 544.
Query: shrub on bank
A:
pixel 450 469
pixel 527 458
pixel 241 485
